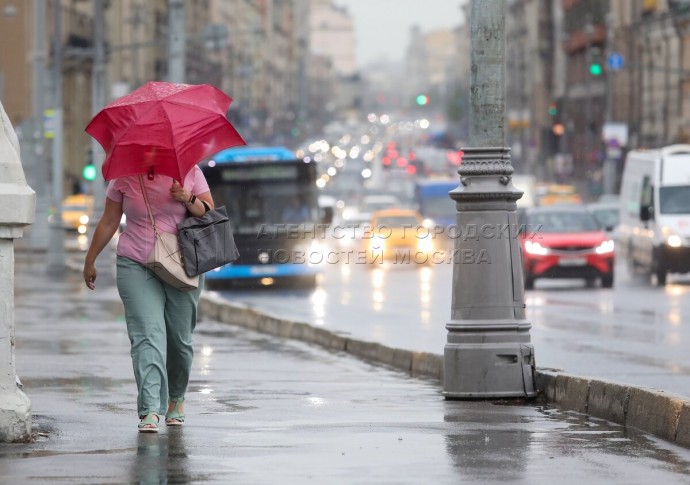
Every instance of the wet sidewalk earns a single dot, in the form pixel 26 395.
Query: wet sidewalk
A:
pixel 266 410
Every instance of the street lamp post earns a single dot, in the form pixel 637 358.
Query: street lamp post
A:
pixel 176 41
pixel 488 353
pixel 56 248
pixel 38 236
pixel 98 101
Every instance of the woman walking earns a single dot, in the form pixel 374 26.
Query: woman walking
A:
pixel 160 319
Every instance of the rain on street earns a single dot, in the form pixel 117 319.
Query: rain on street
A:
pixel 630 334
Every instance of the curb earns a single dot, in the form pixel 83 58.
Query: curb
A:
pixel 649 410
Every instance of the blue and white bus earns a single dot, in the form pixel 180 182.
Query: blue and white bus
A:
pixel 272 201
pixel 434 202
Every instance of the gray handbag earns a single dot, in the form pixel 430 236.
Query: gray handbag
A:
pixel 207 241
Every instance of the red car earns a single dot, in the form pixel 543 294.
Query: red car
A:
pixel 565 242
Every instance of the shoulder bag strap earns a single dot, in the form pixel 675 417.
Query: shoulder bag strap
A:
pixel 148 206
pixel 156 234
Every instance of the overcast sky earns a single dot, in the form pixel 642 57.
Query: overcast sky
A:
pixel 383 26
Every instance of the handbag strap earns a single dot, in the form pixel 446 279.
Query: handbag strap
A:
pixel 153 221
pixel 148 206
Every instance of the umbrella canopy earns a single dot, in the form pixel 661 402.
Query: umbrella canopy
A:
pixel 170 127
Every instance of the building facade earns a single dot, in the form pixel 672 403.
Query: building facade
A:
pixel 257 51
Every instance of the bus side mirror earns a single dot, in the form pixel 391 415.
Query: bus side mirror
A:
pixel 646 213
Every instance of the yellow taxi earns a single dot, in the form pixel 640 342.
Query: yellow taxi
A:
pixel 560 194
pixel 77 210
pixel 398 235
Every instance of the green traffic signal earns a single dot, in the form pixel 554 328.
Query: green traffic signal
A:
pixel 89 173
pixel 422 100
pixel 595 69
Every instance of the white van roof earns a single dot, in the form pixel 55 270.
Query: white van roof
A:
pixel 675 166
pixel 655 153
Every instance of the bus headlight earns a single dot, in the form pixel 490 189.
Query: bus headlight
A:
pixel 313 253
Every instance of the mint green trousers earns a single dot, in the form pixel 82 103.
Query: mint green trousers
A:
pixel 160 322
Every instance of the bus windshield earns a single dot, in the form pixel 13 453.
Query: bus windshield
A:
pixel 261 192
pixel 251 204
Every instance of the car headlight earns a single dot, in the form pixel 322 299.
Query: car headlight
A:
pixel 536 248
pixel 674 240
pixel 605 247
pixel 83 219
pixel 425 245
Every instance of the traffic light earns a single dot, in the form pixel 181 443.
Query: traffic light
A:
pixel 422 100
pixel 553 109
pixel 89 173
pixel 596 67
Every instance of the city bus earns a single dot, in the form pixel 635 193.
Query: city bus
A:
pixel 272 201
pixel 433 201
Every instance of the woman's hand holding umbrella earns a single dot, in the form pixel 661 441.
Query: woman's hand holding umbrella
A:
pixel 195 204
pixel 179 193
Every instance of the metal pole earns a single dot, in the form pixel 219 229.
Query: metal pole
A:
pixel 176 41
pixel 38 236
pixel 98 100
pixel 589 31
pixel 609 163
pixel 136 22
pixel 56 248
pixel 488 353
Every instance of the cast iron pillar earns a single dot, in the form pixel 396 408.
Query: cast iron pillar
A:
pixel 17 209
pixel 488 353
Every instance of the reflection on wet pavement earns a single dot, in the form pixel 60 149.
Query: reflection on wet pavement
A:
pixel 631 334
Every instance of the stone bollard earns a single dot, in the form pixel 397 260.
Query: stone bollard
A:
pixel 17 209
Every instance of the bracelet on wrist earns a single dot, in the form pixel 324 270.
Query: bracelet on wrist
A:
pixel 192 199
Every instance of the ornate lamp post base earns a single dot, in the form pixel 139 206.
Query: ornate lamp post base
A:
pixel 488 353
pixel 488 360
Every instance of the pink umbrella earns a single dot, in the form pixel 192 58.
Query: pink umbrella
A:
pixel 165 126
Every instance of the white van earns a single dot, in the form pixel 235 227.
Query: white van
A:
pixel 655 210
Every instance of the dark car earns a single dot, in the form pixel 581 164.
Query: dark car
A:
pixel 565 242
pixel 607 215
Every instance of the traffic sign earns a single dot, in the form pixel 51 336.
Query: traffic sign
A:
pixel 615 61
pixel 49 123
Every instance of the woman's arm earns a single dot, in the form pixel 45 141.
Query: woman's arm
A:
pixel 191 201
pixel 105 229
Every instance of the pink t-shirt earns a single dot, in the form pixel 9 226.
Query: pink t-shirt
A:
pixel 137 241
